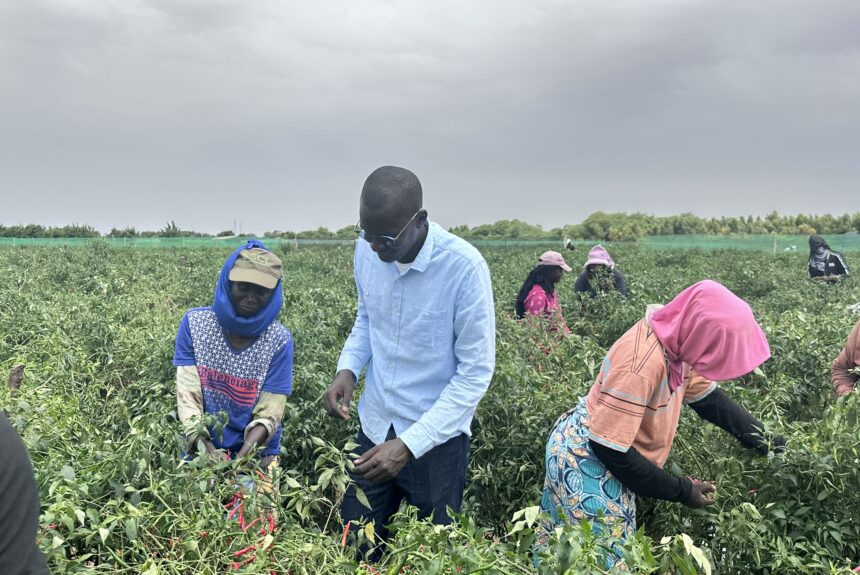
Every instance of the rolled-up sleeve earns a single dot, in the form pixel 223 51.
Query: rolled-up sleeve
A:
pixel 475 352
pixel 843 373
pixel 189 401
pixel 268 412
pixel 356 351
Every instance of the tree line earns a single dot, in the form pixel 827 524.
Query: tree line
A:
pixel 621 226
pixel 618 226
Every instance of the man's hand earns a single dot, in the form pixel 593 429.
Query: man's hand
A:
pixel 339 394
pixel 214 454
pixel 383 462
pixel 253 438
pixel 702 495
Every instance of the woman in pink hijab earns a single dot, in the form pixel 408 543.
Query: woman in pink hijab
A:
pixel 612 446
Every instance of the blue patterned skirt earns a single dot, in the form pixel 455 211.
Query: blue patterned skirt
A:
pixel 579 485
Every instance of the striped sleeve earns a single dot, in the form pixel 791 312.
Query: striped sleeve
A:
pixel 616 415
pixel 698 388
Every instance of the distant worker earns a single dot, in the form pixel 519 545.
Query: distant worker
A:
pixel 844 372
pixel 568 244
pixel 825 264
pixel 538 295
pixel 599 274
pixel 612 445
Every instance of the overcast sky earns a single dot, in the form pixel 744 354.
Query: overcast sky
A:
pixel 273 112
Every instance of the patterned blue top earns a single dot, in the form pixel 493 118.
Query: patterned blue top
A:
pixel 427 339
pixel 232 380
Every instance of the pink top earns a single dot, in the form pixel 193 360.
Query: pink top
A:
pixel 712 330
pixel 542 304
pixel 843 374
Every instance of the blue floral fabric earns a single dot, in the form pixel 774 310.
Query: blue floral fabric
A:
pixel 578 485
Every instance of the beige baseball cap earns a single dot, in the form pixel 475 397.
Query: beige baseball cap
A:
pixel 257 266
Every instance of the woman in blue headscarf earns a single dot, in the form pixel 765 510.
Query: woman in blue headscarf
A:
pixel 234 357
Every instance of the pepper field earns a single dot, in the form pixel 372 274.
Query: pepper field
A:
pixel 94 326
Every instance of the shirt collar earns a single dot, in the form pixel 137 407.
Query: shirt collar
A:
pixel 422 260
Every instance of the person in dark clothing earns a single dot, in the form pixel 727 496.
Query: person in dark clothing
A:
pixel 824 263
pixel 19 499
pixel 599 274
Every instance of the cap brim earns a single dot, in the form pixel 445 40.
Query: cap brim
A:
pixel 566 267
pixel 597 262
pixel 253 277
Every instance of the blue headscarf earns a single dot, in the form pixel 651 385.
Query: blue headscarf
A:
pixel 226 312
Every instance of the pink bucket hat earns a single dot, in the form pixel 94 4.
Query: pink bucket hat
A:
pixel 553 259
pixel 599 255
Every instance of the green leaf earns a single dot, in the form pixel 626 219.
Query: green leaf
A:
pixel 700 558
pixel 67 472
pixel 325 477
pixel 532 514
pixel 131 529
pixel 362 498
pixel 688 542
pixel 103 533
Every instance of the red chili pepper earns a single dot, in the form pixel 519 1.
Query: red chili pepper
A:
pixel 247 549
pixel 345 533
pixel 251 524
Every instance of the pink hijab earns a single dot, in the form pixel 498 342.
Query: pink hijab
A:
pixel 712 330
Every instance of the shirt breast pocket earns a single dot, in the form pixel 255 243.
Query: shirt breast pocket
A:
pixel 371 297
pixel 372 292
pixel 426 328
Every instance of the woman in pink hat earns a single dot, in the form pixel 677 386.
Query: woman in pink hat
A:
pixel 538 297
pixel 599 274
pixel 613 444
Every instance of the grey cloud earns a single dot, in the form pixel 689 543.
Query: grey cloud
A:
pixel 199 111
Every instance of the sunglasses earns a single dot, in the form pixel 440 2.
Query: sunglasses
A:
pixel 380 239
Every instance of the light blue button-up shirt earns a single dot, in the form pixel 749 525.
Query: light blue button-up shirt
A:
pixel 427 338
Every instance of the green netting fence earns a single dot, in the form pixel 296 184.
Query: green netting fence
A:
pixel 765 242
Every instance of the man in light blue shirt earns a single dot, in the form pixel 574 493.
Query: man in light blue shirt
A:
pixel 425 332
